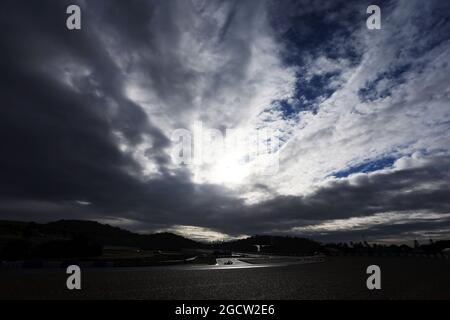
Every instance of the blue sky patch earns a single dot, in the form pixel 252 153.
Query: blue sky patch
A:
pixel 369 166
pixel 395 77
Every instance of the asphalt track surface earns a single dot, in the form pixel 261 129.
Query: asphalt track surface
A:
pixel 336 278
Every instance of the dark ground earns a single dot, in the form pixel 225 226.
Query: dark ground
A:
pixel 338 278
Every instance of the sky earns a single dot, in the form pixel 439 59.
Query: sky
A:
pixel 298 119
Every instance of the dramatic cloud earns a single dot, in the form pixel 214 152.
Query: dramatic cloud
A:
pixel 362 116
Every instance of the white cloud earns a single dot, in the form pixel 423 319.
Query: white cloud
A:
pixel 226 70
pixel 200 233
pixel 366 222
pixel 223 69
pixel 347 130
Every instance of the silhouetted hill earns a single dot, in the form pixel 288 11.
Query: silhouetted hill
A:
pixel 109 235
pixel 75 238
pixel 102 234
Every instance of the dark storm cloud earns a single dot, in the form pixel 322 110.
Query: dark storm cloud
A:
pixel 149 36
pixel 59 142
pixel 424 188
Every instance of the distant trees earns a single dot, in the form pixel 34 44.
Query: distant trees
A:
pixel 23 249
pixel 363 247
pixel 302 246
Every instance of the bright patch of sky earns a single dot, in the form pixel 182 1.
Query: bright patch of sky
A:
pixel 341 99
